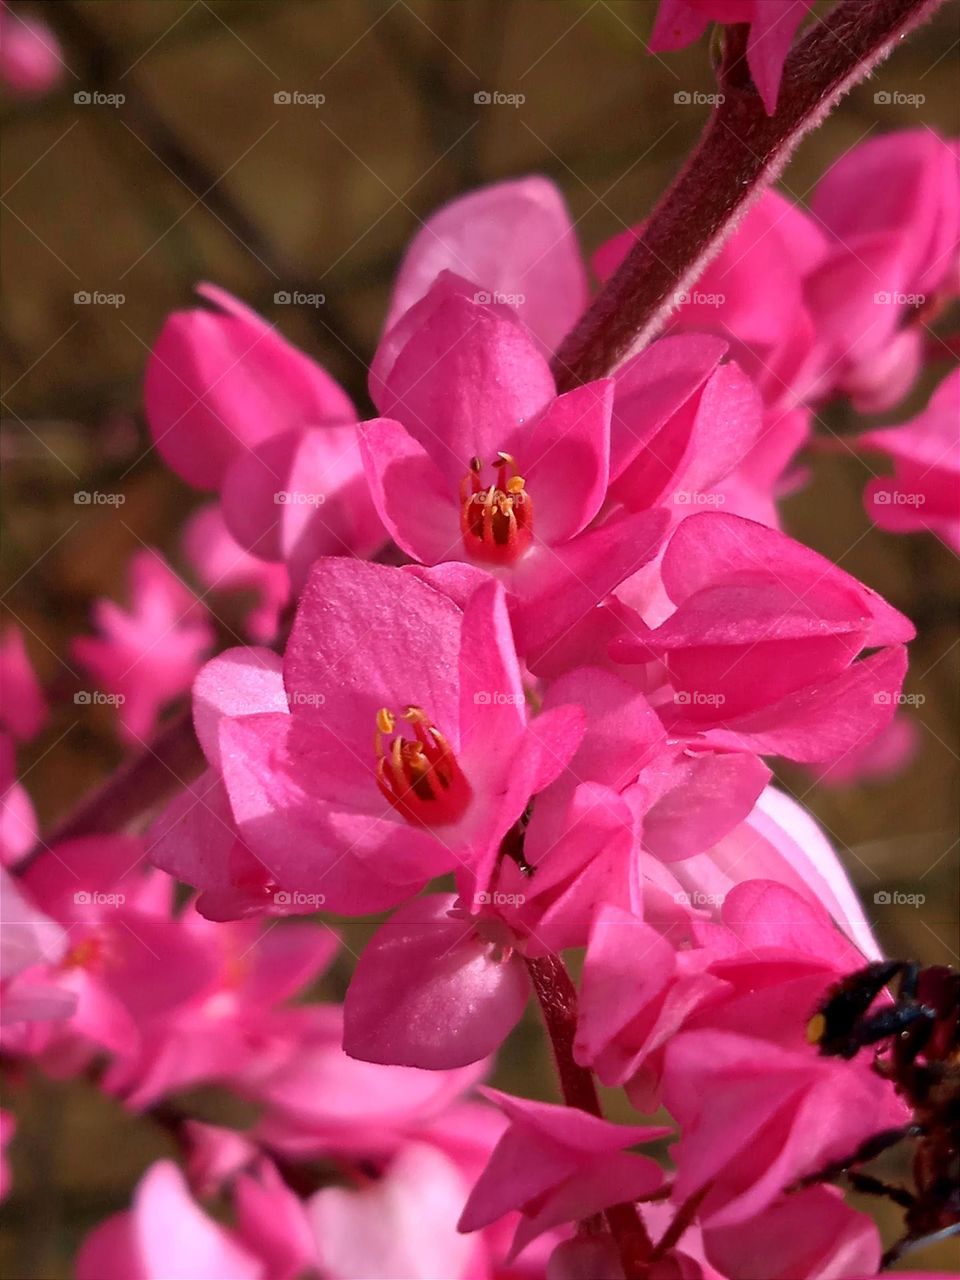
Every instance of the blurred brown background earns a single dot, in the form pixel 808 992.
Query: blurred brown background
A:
pixel 199 174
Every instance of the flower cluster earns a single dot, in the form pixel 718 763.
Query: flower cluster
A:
pixel 526 648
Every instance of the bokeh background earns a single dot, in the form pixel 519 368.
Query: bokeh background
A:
pixel 200 174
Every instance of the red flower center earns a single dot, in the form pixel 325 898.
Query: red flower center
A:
pixel 497 521
pixel 419 776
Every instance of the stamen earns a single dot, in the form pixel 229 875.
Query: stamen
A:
pixel 420 777
pixel 497 521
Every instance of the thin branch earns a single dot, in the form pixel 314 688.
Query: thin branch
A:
pixel 742 151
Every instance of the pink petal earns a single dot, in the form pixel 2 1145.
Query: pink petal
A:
pixel 566 460
pixel 237 682
pixel 511 238
pixel 417 504
pixel 461 1006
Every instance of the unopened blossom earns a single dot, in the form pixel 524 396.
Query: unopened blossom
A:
pixel 923 494
pixel 147 654
pixel 235 408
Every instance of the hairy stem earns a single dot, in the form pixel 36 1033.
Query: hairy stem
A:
pixel 741 152
pixel 558 1003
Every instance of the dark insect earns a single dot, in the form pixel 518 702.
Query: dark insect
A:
pixel 918 1049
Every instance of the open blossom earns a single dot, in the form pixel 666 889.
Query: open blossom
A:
pixel 923 494
pixel 772 27
pixel 477 459
pixel 235 408
pixel 148 654
pixel 403 749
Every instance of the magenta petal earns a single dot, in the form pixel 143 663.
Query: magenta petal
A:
pixel 465 383
pixel 220 381
pixel 771 34
pixel 429 991
pixel 566 460
pixel 513 239
pixel 417 504
pixel 237 682
pixel 557 588
pixel 368 636
pixel 709 796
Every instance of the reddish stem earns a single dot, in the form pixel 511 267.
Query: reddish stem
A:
pixel 558 1003
pixel 742 151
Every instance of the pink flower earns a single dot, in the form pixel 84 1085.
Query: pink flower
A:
pixel 759 973
pixel 404 747
pixel 149 654
pixel 8 1125
pixel 165 1236
pixel 891 208
pixel 772 27
pixel 760 653
pixel 30 57
pixel 223 565
pixel 124 960
pixel 757 1116
pixel 557 1164
pixel 235 408
pixel 24 707
pixel 476 458
pixel 924 491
